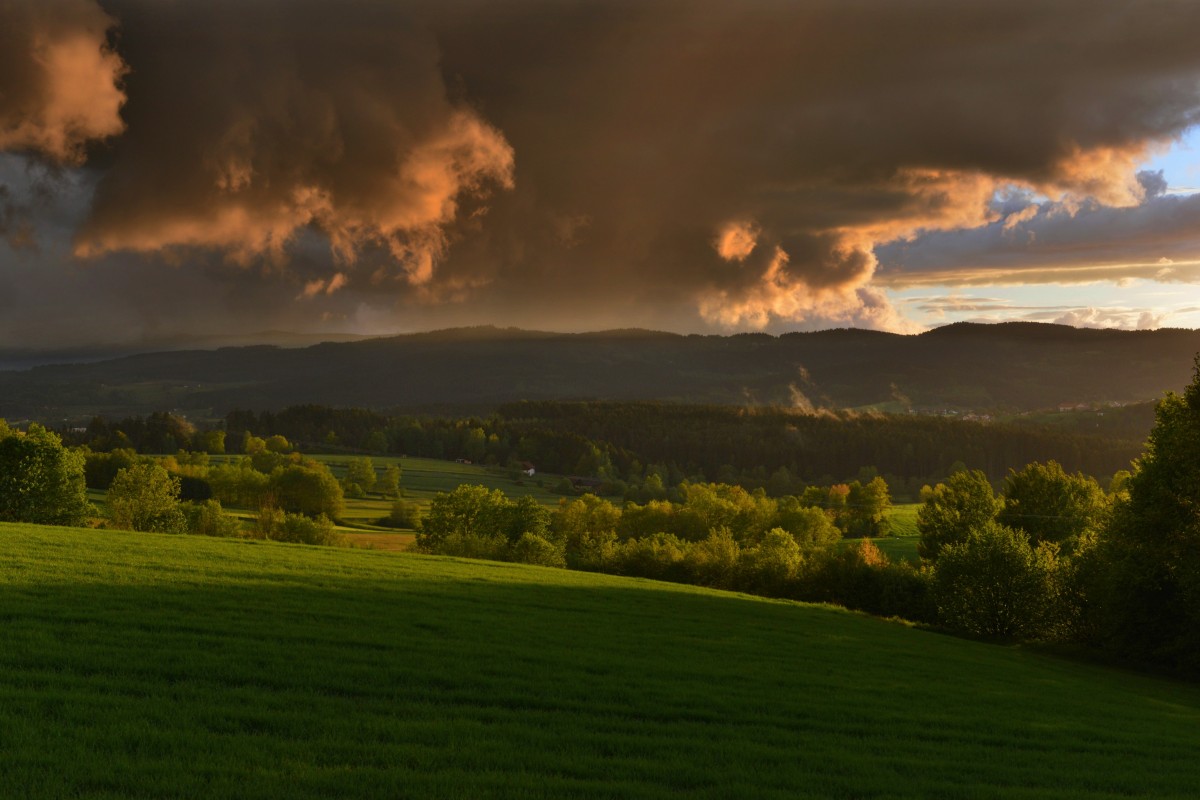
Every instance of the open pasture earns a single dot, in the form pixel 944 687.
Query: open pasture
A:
pixel 901 544
pixel 144 665
pixel 423 478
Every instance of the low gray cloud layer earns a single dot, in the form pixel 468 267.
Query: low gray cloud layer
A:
pixel 700 165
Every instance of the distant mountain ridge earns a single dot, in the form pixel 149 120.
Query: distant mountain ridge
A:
pixel 20 358
pixel 963 367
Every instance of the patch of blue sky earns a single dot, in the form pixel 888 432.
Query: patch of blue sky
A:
pixel 1180 163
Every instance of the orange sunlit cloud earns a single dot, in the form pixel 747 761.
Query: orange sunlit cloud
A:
pixel 714 167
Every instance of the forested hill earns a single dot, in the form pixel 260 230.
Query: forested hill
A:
pixel 1009 366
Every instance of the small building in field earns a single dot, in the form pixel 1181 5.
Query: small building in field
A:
pixel 528 468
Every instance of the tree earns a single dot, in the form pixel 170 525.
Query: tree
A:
pixel 714 560
pixel 466 511
pixel 1145 595
pixel 576 522
pixel 213 442
pixel 994 584
pixel 239 484
pixel 278 444
pixel 951 510
pixel 772 564
pixel 867 508
pixel 389 483
pixel 810 527
pixel 145 497
pixel 308 489
pixel 1050 505
pixel 361 472
pixel 40 480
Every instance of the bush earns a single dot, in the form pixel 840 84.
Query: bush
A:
pixel 280 526
pixel 659 556
pixel 534 549
pixel 772 565
pixel 209 519
pixel 593 551
pixel 995 585
pixel 466 545
pixel 404 514
pixel 308 489
pixel 852 577
pixel 145 497
pixel 713 561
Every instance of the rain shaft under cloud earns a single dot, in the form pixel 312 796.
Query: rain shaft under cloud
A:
pixel 696 165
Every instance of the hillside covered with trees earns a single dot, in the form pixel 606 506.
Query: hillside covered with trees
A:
pixel 1009 367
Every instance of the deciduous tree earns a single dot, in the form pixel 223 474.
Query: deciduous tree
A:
pixel 952 510
pixel 1051 505
pixel 40 480
pixel 145 497
pixel 994 584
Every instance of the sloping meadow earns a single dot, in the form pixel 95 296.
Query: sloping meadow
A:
pixel 138 665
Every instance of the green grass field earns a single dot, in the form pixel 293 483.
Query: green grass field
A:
pixel 145 665
pixel 424 477
pixel 901 545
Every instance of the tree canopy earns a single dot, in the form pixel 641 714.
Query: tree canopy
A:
pixel 1149 595
pixel 1051 505
pixel 145 497
pixel 40 480
pixel 952 510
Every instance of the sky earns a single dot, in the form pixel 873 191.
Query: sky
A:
pixel 180 168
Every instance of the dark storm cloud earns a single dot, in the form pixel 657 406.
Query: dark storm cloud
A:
pixel 249 122
pixel 813 131
pixel 59 81
pixel 578 164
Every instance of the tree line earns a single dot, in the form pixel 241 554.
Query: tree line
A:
pixel 632 447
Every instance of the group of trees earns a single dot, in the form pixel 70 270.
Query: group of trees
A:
pixel 42 481
pixel 638 449
pixel 698 510
pixel 719 536
pixel 1057 558
pixel 295 502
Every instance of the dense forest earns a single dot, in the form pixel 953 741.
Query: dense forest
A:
pixel 624 444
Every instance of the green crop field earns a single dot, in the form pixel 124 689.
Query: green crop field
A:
pixel 422 478
pixel 901 545
pixel 903 517
pixel 145 665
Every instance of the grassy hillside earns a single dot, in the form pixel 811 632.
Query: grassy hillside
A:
pixel 140 665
